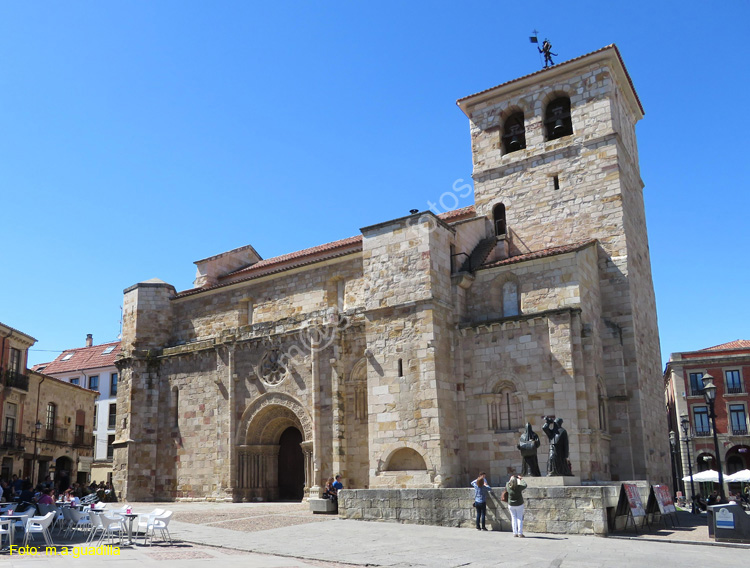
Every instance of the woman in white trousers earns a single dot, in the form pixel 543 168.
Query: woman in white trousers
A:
pixel 515 488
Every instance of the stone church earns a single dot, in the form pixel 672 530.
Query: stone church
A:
pixel 412 354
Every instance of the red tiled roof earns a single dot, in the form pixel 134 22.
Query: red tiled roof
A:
pixel 540 254
pixel 736 344
pixel 51 378
pixel 83 358
pixel 458 214
pixel 308 256
pixel 611 46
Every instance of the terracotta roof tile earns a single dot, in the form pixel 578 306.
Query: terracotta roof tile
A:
pixel 736 344
pixel 82 358
pixel 539 254
pixel 309 256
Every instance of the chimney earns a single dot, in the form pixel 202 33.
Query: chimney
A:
pixel 89 340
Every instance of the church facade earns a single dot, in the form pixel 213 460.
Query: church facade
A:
pixel 413 354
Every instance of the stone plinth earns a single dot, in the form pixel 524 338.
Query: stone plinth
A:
pixel 322 505
pixel 557 481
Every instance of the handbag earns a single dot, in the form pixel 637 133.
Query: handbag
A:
pixel 504 496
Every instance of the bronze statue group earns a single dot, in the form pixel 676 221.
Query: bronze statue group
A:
pixel 558 464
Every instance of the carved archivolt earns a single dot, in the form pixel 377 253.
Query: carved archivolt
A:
pixel 269 415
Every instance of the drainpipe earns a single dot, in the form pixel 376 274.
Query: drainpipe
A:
pixel 35 462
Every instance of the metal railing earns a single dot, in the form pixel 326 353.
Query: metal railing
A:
pixel 739 432
pixel 10 440
pixel 16 380
pixel 734 390
pixel 59 435
pixel 83 439
pixel 699 432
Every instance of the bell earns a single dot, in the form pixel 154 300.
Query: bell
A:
pixel 514 144
pixel 559 128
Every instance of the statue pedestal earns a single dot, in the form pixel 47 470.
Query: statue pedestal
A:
pixel 556 481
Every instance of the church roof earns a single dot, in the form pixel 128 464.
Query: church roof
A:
pixel 82 359
pixel 736 344
pixel 309 256
pixel 540 254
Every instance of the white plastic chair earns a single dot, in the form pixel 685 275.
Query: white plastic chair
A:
pixel 96 525
pixel 144 520
pixel 39 525
pixel 6 528
pixel 160 523
pixel 78 521
pixel 111 526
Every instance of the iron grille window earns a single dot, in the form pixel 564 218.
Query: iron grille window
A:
pixel 702 425
pixel 734 382
pixel 696 384
pixel 738 419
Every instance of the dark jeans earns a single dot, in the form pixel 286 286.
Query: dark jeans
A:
pixel 481 513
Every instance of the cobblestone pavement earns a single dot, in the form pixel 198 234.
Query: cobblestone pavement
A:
pixel 287 535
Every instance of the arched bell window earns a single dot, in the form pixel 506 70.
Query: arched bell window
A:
pixel 498 219
pixel 514 133
pixel 557 119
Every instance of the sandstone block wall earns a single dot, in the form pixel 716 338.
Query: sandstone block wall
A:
pixel 556 510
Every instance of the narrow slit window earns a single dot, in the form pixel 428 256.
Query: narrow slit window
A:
pixel 400 368
pixel 498 217
pixel 556 182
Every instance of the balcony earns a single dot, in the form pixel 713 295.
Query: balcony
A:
pixel 11 441
pixel 739 432
pixel 16 380
pixel 699 432
pixel 83 440
pixel 55 435
pixel 734 390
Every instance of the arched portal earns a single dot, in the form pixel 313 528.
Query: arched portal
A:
pixel 274 450
pixel 291 465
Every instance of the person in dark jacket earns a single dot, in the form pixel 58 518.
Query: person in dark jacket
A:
pixel 515 488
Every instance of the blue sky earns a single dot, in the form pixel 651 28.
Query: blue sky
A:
pixel 138 137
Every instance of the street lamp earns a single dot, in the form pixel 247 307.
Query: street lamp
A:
pixel 673 446
pixel 709 391
pixel 685 423
pixel 35 474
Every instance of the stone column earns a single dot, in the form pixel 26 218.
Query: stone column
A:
pixel 337 408
pixel 315 488
pixel 307 451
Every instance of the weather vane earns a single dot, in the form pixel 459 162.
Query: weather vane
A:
pixel 546 49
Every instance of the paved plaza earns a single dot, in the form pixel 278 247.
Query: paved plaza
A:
pixel 287 535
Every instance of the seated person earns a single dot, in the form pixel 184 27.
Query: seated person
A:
pixel 699 502
pixel 329 492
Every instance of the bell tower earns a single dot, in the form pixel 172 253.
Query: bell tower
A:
pixel 555 152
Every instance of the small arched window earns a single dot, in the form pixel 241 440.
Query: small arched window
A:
pixel 498 219
pixel 514 133
pixel 504 409
pixel 557 119
pixel 50 421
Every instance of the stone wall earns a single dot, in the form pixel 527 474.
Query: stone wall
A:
pixel 556 510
